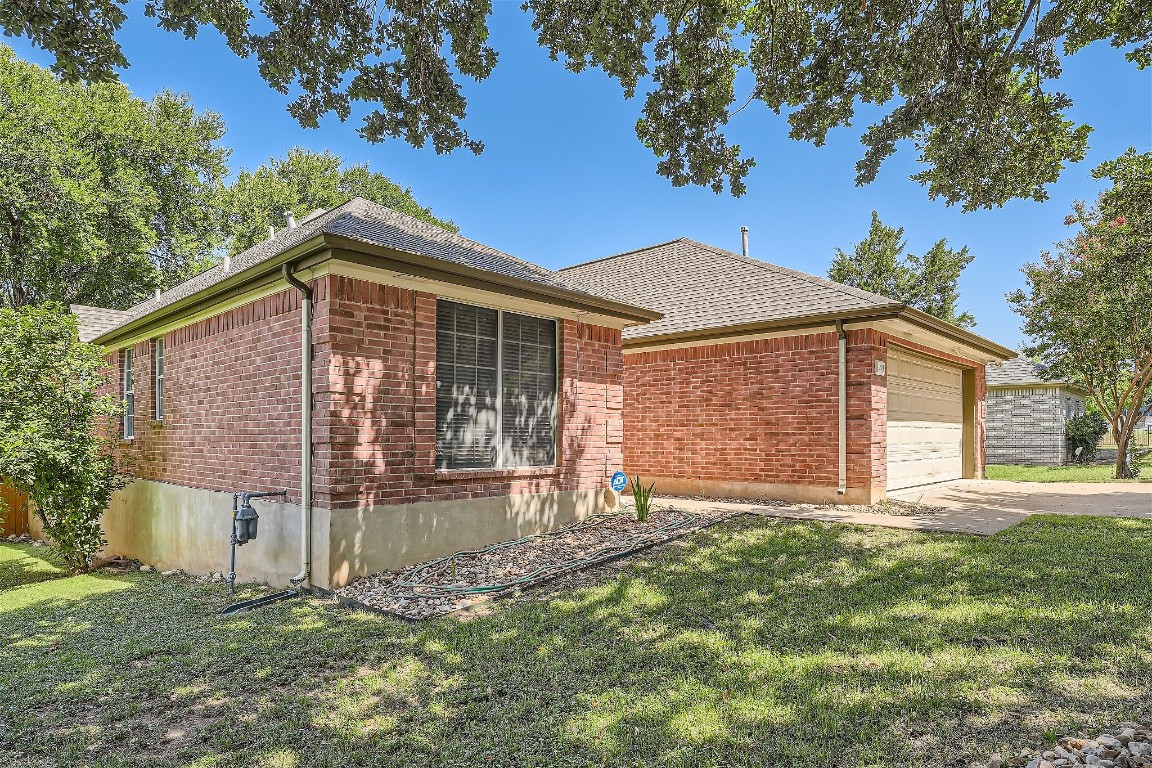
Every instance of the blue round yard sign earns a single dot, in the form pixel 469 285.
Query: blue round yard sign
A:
pixel 619 481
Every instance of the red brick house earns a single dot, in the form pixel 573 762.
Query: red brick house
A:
pixel 413 391
pixel 764 382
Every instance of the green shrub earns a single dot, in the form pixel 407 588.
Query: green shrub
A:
pixel 643 499
pixel 55 444
pixel 1084 433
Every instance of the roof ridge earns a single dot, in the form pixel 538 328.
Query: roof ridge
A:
pixel 370 204
pixel 626 253
pixel 859 293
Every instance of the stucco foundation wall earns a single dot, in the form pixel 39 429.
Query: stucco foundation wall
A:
pixel 173 526
pixel 1026 424
pixel 372 539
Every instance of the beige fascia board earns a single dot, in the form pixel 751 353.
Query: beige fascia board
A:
pixel 987 347
pixel 747 331
pixel 494 298
pixel 441 271
pixel 896 320
pixel 245 286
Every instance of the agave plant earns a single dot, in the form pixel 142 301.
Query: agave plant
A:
pixel 643 498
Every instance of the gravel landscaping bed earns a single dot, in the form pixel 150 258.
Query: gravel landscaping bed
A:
pixel 466 578
pixel 1129 747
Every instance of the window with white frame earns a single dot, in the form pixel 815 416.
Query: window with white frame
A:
pixel 495 388
pixel 128 364
pixel 158 379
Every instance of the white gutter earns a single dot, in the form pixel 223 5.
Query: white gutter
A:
pixel 842 408
pixel 302 579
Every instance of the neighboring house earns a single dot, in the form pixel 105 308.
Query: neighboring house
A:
pixel 458 396
pixel 737 390
pixel 1026 414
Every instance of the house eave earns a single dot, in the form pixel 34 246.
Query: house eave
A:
pixel 326 247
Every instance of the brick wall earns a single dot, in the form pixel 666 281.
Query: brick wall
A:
pixel 380 400
pixel 232 404
pixel 231 401
pixel 763 411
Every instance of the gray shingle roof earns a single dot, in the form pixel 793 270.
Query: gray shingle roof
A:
pixel 698 287
pixel 94 321
pixel 368 222
pixel 1018 370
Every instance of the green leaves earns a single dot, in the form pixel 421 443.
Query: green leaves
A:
pixel 928 283
pixel 1088 306
pixel 103 197
pixel 302 182
pixel 967 84
pixel 53 426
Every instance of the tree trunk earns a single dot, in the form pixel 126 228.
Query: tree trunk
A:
pixel 1123 471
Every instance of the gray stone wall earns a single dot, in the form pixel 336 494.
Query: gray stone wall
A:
pixel 1026 424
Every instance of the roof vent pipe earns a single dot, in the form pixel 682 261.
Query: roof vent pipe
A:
pixel 227 262
pixel 291 219
pixel 271 232
pixel 744 240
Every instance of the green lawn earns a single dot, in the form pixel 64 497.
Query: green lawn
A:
pixel 25 564
pixel 756 643
pixel 1093 473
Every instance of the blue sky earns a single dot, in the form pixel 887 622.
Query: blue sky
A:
pixel 563 178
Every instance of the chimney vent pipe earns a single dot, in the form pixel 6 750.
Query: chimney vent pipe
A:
pixel 291 219
pixel 744 240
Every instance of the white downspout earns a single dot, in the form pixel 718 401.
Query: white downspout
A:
pixel 302 579
pixel 842 408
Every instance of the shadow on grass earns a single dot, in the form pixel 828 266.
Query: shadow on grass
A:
pixel 760 642
pixel 24 564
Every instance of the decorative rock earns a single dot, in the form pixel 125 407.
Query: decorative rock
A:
pixel 1108 742
pixel 995 761
pixel 172 572
pixel 147 568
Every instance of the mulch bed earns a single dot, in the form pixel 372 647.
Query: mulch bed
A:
pixel 462 580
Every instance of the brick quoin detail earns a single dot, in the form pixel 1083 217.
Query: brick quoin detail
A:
pixel 232 402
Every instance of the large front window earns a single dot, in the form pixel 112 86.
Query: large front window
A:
pixel 495 388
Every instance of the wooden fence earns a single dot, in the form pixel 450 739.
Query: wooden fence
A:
pixel 14 511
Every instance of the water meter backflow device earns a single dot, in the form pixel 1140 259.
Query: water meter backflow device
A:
pixel 244 528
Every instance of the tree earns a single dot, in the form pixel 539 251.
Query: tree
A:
pixel 967 83
pixel 1088 306
pixel 302 182
pixel 928 283
pixel 103 197
pixel 54 444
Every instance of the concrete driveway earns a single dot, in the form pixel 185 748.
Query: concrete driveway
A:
pixel 990 506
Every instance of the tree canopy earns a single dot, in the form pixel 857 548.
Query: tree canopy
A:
pixel 969 84
pixel 300 183
pixel 1088 306
pixel 929 283
pixel 104 197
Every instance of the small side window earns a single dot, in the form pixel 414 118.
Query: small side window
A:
pixel 129 362
pixel 158 379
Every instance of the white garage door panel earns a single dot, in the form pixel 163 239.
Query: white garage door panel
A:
pixel 925 421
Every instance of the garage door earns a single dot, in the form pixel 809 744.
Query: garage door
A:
pixel 925 421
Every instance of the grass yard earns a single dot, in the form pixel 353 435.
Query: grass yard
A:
pixel 25 564
pixel 1092 473
pixel 759 642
